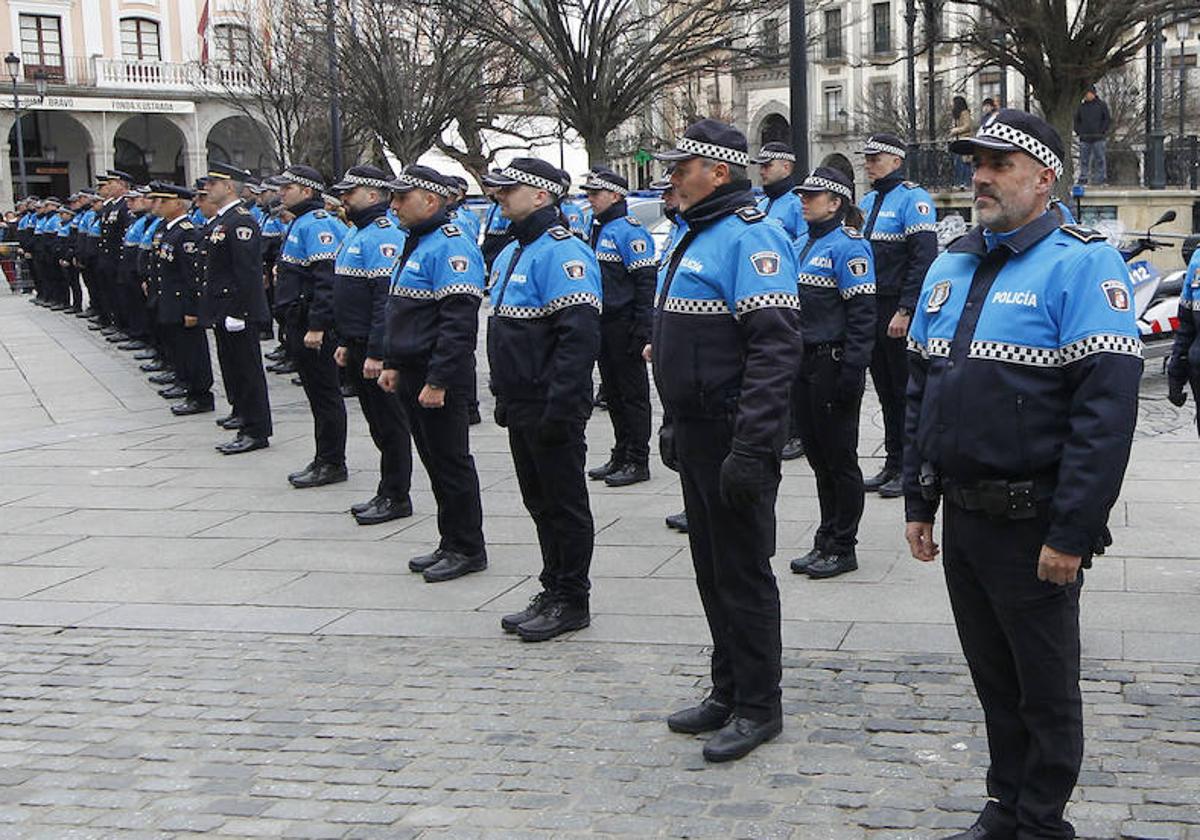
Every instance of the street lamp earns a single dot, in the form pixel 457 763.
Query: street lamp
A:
pixel 13 65
pixel 1182 31
pixel 1156 168
pixel 40 80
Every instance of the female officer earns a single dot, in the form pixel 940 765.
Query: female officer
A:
pixel 1183 368
pixel 837 320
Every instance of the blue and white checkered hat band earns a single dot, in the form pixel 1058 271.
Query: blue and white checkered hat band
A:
pixel 765 155
pixel 292 178
pixel 593 183
pixel 874 147
pixel 814 184
pixel 1006 133
pixel 360 181
pixel 713 152
pixel 531 180
pixel 420 183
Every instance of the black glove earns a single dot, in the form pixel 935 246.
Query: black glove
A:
pixel 666 447
pixel 1176 395
pixel 849 386
pixel 500 415
pixel 745 478
pixel 552 432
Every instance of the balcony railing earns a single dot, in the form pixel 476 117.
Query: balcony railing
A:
pixel 127 74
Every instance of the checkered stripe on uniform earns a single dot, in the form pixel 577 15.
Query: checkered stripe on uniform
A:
pixel 816 280
pixel 874 147
pixel 713 151
pixel 914 346
pixel 1123 345
pixel 529 179
pixel 1028 142
pixel 607 256
pixel 827 185
pixel 353 271
pixel 880 236
pixel 573 299
pixel 414 294
pixel 645 262
pixel 323 255
pixel 938 347
pixel 459 289
pixel 687 306
pixel 1017 354
pixel 919 228
pixel 768 300
pixel 860 289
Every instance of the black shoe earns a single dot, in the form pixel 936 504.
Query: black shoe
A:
pixel 96 327
pixel 708 716
pixel 604 470
pixel 86 313
pixel 740 737
pixel 832 565
pixel 473 418
pixel 628 474
pixel 117 338
pixel 320 474
pixel 792 450
pixel 359 507
pixel 155 366
pixel 296 380
pixel 285 366
pixel 305 470
pixel 453 565
pixel 978 832
pixel 558 618
pixel 894 489
pixel 193 406
pixel 59 307
pixel 425 561
pixel 242 444
pixel 145 355
pixel 277 354
pixel 173 392
pixel 347 390
pixel 167 377
pixel 678 522
pixel 384 511
pixel 133 344
pixel 800 564
pixel 537 604
pixel 879 479
pixel 231 422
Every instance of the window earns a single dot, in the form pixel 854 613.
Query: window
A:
pixel 989 86
pixel 881 96
pixel 881 28
pixel 231 44
pixel 139 40
pixel 833 34
pixel 41 46
pixel 835 108
pixel 770 36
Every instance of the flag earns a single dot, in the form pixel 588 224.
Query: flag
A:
pixel 202 31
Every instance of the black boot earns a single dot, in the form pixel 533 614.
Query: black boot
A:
pixel 193 406
pixel 558 618
pixel 894 489
pixel 628 474
pixel 425 561
pixel 792 450
pixel 708 716
pixel 453 565
pixel 881 478
pixel 678 522
pixel 605 470
pixel 800 564
pixel 537 604
pixel 832 564
pixel 740 737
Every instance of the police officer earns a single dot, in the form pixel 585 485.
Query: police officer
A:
pixel 235 304
pixel 362 274
pixel 176 276
pixel 304 296
pixel 725 349
pixel 64 255
pixel 129 281
pixel 1022 400
pixel 902 229
pixel 496 233
pixel 776 165
pixel 836 280
pixel 543 338
pixel 90 260
pixel 114 219
pixel 45 266
pixel 432 320
pixel 460 214
pixel 626 256
pixel 1183 366
pixel 676 521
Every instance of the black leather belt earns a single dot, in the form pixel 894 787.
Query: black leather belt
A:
pixel 999 498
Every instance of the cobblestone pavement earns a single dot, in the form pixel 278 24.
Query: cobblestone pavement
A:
pixel 141 734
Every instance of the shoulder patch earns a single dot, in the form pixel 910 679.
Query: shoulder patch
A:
pixel 383 222
pixel 240 210
pixel 1083 234
pixel 560 233
pixel 186 225
pixel 633 220
pixel 451 229
pixel 852 232
pixel 911 185
pixel 750 214
pixel 320 214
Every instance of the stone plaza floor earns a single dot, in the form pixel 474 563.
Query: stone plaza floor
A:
pixel 189 647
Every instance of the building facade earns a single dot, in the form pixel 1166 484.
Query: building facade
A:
pixel 139 85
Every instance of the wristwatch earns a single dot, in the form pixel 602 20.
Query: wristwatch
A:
pixel 904 311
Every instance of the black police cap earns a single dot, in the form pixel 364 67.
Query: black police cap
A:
pixel 606 179
pixel 1011 130
pixel 531 172
pixel 710 139
pixel 363 176
pixel 218 171
pixel 161 189
pixel 884 143
pixel 418 177
pixel 301 175
pixel 774 151
pixel 460 182
pixel 119 175
pixel 828 179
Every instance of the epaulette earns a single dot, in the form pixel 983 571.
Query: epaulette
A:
pixel 451 229
pixel 750 214
pixel 633 220
pixel 242 211
pixel 1083 234
pixel 560 233
pixel 852 232
pixel 384 222
pixel 185 224
pixel 911 185
pixel 320 214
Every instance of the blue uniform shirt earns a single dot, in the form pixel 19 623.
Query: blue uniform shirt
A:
pixel 362 274
pixel 1184 364
pixel 467 222
pixel 579 217
pixel 788 210
pixel 304 271
pixel 836 281
pixel 902 230
pixel 626 256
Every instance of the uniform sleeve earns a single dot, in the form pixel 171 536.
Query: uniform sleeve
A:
pixel 916 507
pixel 380 264
pixel 1178 367
pixel 575 324
pixel 1102 363
pixel 322 246
pixel 245 260
pixel 920 244
pixel 458 289
pixel 637 252
pixel 855 269
pixel 768 316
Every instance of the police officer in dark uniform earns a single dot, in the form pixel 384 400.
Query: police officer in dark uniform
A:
pixel 176 275
pixel 304 294
pixel 1022 399
pixel 114 219
pixel 362 275
pixel 626 256
pixel 235 304
pixel 432 320
pixel 725 348
pixel 902 229
pixel 836 281
pixel 543 339
pixel 1183 367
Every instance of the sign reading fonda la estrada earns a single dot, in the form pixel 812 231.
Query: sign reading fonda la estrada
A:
pixel 86 103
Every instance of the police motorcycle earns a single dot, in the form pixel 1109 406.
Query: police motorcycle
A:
pixel 1155 294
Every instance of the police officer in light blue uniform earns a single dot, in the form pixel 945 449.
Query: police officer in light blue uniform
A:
pixel 496 233
pixel 362 275
pixel 1022 400
pixel 1183 367
pixel 902 228
pixel 543 339
pixel 776 162
pixel 429 346
pixel 460 214
pixel 579 215
pixel 725 348
pixel 836 280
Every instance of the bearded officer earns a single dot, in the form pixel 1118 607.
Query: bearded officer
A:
pixel 1022 398
pixel 726 348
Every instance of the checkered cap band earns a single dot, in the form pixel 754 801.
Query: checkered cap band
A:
pixel 812 182
pixel 713 151
pixel 874 147
pixel 1006 133
pixel 422 184
pixel 594 183
pixel 765 155
pixel 292 178
pixel 531 180
pixel 360 181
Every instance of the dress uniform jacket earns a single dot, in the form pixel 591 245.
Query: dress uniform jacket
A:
pixel 902 229
pixel 304 271
pixel 1029 371
pixel 175 271
pixel 362 276
pixel 231 257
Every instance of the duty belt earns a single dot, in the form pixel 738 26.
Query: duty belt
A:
pixel 999 498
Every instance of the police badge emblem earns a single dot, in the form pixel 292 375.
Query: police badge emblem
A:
pixel 638 246
pixel 1116 294
pixel 923 208
pixel 938 296
pixel 575 269
pixel 858 266
pixel 218 235
pixel 387 250
pixel 325 237
pixel 766 263
pixel 458 264
pixel 244 234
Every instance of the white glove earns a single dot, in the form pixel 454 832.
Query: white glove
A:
pixel 234 324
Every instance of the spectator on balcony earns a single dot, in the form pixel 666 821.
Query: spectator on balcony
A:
pixel 986 107
pixel 960 114
pixel 1092 123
